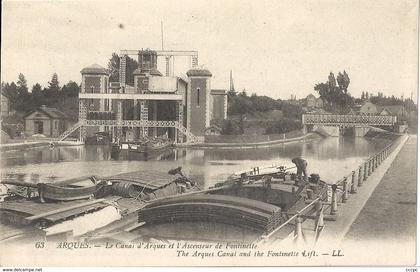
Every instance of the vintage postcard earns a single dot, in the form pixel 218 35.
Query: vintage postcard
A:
pixel 209 133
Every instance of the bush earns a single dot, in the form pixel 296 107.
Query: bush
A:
pixel 231 127
pixel 282 126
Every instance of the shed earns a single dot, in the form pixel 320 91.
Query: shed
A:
pixel 44 120
pixel 213 130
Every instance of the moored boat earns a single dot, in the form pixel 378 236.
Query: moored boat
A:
pixel 44 206
pixel 146 149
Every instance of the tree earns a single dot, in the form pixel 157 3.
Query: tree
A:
pixel 363 95
pixel 231 127
pixel 54 85
pixel 71 89
pixel 331 81
pixel 336 97
pixel 22 85
pixel 23 103
pixel 114 69
pixel 37 95
pixel 263 103
pixel 291 111
pixel 323 90
pixel 343 81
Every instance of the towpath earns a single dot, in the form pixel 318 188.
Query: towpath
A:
pixel 391 210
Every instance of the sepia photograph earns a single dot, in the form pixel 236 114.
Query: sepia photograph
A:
pixel 209 133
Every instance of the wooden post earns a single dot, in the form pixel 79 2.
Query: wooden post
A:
pixel 359 179
pixel 369 167
pixel 353 183
pixel 334 199
pixel 377 161
pixel 345 191
pixel 365 171
pixel 319 221
pixel 298 230
pixel 373 163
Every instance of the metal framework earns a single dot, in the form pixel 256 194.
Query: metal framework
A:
pixel 130 96
pixel 144 116
pixel 168 54
pixel 348 120
pixel 130 123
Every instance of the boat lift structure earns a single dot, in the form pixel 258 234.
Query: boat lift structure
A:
pixel 111 103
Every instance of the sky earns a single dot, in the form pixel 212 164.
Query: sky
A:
pixel 274 48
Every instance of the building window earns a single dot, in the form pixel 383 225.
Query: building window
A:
pixel 198 97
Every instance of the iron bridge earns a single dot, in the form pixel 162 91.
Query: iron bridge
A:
pixel 348 120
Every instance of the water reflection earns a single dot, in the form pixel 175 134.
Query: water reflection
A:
pixel 330 157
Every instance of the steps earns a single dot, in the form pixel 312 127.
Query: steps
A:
pixel 191 138
pixel 69 131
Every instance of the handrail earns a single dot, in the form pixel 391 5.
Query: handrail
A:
pixel 383 152
pixel 264 237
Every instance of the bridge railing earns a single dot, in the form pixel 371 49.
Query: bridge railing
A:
pixel 347 119
pixel 340 193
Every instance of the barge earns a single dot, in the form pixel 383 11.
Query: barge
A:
pixel 147 206
pixel 143 150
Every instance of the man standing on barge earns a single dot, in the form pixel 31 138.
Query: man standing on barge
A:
pixel 301 165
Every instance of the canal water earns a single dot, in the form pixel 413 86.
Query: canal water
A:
pixel 332 158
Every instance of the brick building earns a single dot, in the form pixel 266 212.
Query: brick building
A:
pixel 132 112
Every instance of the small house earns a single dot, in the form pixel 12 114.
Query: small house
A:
pixel 397 110
pixel 213 130
pixel 369 108
pixel 311 102
pixel 46 121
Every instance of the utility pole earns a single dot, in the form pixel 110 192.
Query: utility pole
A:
pixel 161 32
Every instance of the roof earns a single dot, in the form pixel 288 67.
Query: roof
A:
pixel 311 96
pixel 94 69
pixel 394 109
pixel 51 112
pixel 385 109
pixel 220 92
pixel 199 71
pixel 149 179
pixel 213 126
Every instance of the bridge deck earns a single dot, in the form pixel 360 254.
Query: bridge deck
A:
pixel 348 120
